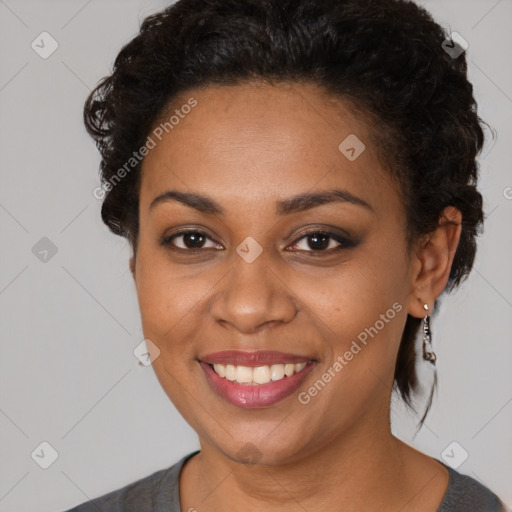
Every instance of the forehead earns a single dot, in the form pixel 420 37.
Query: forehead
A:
pixel 253 142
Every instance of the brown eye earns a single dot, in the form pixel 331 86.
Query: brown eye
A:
pixel 191 240
pixel 322 241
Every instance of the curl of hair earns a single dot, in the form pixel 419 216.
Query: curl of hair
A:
pixel 383 57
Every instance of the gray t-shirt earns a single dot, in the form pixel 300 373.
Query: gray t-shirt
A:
pixel 159 492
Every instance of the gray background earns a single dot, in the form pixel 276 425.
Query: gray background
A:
pixel 69 325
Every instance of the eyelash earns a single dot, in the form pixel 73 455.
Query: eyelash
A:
pixel 345 243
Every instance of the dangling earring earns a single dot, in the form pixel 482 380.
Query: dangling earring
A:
pixel 428 353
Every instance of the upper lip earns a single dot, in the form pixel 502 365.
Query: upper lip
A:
pixel 258 358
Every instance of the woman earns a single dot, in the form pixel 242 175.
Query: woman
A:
pixel 297 180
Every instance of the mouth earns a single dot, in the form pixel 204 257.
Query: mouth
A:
pixel 257 375
pixel 255 379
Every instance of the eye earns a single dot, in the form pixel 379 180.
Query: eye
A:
pixel 321 241
pixel 192 240
pixel 318 241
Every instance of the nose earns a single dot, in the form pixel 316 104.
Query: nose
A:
pixel 252 297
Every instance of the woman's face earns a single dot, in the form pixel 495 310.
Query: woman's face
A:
pixel 256 276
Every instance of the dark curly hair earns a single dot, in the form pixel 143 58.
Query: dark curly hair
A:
pixel 385 58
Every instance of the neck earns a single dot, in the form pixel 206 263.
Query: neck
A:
pixel 363 469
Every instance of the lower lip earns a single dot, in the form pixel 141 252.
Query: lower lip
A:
pixel 255 395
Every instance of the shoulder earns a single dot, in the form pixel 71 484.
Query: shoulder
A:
pixel 465 493
pixel 157 491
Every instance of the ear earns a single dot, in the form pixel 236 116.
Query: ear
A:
pixel 432 261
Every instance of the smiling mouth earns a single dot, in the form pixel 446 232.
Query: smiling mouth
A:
pixel 259 386
pixel 259 374
pixel 258 378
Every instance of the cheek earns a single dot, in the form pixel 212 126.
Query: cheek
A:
pixel 169 304
pixel 347 299
pixel 362 306
pixel 169 300
pixel 361 310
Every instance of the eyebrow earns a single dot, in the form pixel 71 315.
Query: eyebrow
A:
pixel 294 204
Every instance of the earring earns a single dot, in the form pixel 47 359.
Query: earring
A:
pixel 428 353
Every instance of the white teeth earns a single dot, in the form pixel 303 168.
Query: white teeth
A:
pixel 299 367
pixel 261 374
pixel 220 369
pixel 243 374
pixel 289 369
pixel 258 374
pixel 230 371
pixel 277 371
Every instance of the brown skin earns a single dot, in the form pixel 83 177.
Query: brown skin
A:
pixel 248 146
